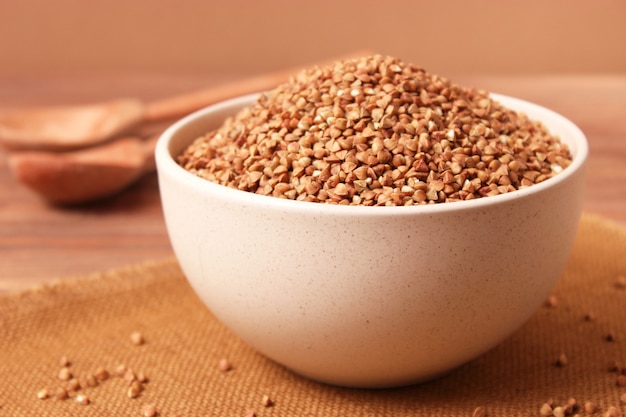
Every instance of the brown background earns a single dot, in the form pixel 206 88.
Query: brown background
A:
pixel 567 55
pixel 199 36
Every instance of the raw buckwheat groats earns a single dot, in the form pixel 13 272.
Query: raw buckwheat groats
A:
pixel 376 131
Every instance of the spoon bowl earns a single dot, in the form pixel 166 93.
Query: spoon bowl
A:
pixel 84 175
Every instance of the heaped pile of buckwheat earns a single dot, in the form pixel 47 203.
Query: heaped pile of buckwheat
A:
pixel 376 131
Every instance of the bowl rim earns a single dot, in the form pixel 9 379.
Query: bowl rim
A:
pixel 166 163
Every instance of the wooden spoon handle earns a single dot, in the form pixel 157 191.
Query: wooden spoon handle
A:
pixel 178 106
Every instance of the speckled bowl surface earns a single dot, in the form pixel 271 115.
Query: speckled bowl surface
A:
pixel 370 296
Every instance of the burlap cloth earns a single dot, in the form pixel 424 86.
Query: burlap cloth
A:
pixel 89 320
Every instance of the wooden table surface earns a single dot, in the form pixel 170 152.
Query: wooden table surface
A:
pixel 41 243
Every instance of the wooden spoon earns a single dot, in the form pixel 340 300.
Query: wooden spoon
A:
pixel 82 175
pixel 71 127
pixel 87 174
pixel 68 127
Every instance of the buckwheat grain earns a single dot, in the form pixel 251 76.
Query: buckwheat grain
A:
pixel 376 131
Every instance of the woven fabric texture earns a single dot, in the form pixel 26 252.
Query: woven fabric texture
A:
pixel 90 319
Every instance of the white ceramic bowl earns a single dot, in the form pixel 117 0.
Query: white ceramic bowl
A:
pixel 370 296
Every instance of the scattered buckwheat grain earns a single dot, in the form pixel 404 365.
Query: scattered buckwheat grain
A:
pixel 479 412
pixel 571 407
pixel 149 410
pixel 134 389
pixel 224 365
pixel 562 360
pixel 590 407
pixel 552 301
pixel 621 380
pixel 62 394
pixel 65 374
pixel 91 381
pixel 120 370
pixel 613 411
pixel 620 282
pixel 267 401
pixel 137 338
pixel 558 411
pixel 43 394
pixel 141 377
pixel 622 398
pixel 129 375
pixel 250 413
pixel 73 385
pixel 376 131
pixel 82 399
pixel 545 410
pixel 64 361
pixel 101 374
